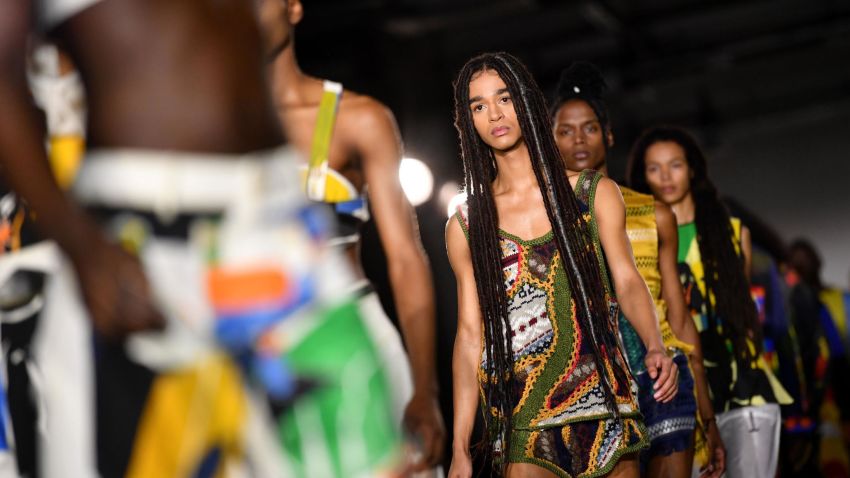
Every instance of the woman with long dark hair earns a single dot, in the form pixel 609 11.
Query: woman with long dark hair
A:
pixel 537 336
pixel 582 129
pixel 714 254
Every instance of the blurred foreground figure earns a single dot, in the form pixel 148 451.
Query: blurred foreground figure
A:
pixel 353 144
pixel 188 230
pixel 820 313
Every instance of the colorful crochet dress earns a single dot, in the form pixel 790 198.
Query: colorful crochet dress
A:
pixel 561 421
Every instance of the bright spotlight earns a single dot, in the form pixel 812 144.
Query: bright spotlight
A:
pixel 416 180
pixel 457 200
pixel 446 196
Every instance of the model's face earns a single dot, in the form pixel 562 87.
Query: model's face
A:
pixel 579 135
pixel 804 264
pixel 493 112
pixel 667 172
pixel 273 16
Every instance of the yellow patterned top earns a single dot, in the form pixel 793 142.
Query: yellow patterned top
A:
pixel 643 236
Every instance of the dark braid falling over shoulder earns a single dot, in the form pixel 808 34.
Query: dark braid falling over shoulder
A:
pixel 722 264
pixel 571 233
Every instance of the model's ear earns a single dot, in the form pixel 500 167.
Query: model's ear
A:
pixel 609 138
pixel 294 11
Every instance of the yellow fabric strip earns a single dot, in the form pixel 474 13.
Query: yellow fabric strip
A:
pixel 325 121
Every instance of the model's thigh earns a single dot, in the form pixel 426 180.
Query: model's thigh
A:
pixel 527 470
pixel 674 465
pixel 627 467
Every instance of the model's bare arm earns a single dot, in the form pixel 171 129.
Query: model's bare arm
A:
pixel 112 282
pixel 467 350
pixel 22 153
pixel 671 289
pixel 685 329
pixel 632 293
pixel 410 275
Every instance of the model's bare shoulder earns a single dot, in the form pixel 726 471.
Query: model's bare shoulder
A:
pixel 664 216
pixel 608 191
pixel 364 111
pixel 368 125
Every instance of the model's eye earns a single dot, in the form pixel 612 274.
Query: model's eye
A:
pixel 565 131
pixel 505 100
pixel 651 169
pixel 477 107
pixel 591 128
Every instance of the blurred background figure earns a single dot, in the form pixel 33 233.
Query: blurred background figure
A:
pixel 714 263
pixel 791 346
pixel 353 147
pixel 582 128
pixel 820 318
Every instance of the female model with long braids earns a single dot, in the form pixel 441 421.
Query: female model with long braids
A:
pixel 537 332
pixel 582 129
pixel 714 254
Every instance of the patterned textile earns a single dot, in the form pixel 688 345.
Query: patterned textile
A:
pixel 556 381
pixel 643 236
pixel 588 448
pixel 733 383
pixel 670 425
pixel 325 185
pixel 265 369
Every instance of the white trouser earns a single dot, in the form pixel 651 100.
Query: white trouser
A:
pixel 751 438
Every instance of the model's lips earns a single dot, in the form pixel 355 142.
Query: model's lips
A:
pixel 581 155
pixel 499 131
pixel 667 190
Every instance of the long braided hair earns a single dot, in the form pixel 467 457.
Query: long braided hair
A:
pixel 572 235
pixel 722 265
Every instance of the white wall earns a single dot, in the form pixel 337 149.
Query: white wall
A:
pixel 795 173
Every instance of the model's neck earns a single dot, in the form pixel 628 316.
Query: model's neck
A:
pixel 289 84
pixel 603 168
pixel 684 209
pixel 515 170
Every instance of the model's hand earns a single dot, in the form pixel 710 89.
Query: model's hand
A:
pixel 717 453
pixel 664 372
pixel 115 290
pixel 423 420
pixel 461 466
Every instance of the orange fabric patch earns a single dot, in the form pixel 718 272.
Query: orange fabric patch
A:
pixel 237 289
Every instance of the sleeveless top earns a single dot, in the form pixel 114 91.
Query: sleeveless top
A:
pixel 326 185
pixel 51 13
pixel 642 231
pixel 556 381
pixel 733 382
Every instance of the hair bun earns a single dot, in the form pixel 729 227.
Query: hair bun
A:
pixel 582 78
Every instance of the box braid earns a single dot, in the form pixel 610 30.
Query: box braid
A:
pixel 723 266
pixel 571 233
